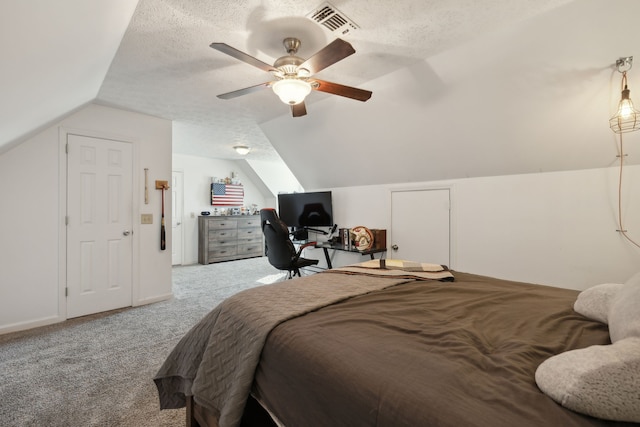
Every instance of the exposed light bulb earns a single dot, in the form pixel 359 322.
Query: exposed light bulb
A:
pixel 627 118
pixel 625 109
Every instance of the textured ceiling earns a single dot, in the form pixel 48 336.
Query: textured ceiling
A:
pixel 461 88
pixel 165 67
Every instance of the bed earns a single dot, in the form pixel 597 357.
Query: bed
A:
pixel 364 345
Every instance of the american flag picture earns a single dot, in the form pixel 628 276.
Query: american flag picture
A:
pixel 227 195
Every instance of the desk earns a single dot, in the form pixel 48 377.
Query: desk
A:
pixel 340 247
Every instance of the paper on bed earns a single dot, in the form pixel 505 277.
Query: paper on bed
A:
pixel 400 264
pixel 398 268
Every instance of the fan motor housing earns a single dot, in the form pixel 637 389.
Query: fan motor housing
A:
pixel 288 64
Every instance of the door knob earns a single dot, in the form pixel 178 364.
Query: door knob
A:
pixel 394 247
pixel 126 232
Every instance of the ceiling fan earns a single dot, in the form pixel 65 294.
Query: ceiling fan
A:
pixel 293 75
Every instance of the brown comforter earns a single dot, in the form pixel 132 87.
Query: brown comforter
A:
pixel 404 352
pixel 215 361
pixel 426 354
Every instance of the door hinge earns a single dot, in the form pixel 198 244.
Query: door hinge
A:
pixel 66 148
pixel 66 220
pixel 66 292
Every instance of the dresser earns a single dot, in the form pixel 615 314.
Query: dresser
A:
pixel 225 238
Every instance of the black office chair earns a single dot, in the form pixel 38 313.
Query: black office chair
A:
pixel 279 248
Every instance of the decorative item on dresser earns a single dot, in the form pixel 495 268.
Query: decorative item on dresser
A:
pixel 225 238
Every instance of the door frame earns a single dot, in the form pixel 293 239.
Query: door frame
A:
pixel 63 133
pixel 181 219
pixel 453 229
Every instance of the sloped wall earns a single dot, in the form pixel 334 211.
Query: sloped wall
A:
pixel 32 216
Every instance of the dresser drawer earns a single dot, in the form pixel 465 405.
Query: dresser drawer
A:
pixel 223 224
pixel 223 251
pixel 223 234
pixel 244 233
pixel 249 223
pixel 250 249
pixel 257 240
pixel 214 244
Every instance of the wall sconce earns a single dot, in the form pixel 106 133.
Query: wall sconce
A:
pixel 243 150
pixel 627 118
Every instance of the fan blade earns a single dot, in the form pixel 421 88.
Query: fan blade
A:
pixel 342 90
pixel 245 91
pixel 328 55
pixel 298 110
pixel 232 51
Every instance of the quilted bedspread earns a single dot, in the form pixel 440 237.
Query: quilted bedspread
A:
pixel 216 360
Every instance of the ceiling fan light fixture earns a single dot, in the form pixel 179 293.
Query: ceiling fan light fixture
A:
pixel 291 91
pixel 292 74
pixel 243 150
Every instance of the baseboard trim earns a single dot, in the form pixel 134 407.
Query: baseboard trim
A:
pixel 45 321
pixel 30 324
pixel 151 300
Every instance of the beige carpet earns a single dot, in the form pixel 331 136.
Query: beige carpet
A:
pixel 97 370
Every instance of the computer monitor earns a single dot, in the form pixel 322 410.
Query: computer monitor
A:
pixel 304 210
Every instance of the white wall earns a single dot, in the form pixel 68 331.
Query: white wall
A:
pixel 32 215
pixel 197 189
pixel 553 228
pixel 556 228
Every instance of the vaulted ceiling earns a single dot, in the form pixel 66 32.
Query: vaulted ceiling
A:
pixel 460 87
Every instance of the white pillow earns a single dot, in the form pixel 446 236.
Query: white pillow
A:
pixel 624 312
pixel 602 380
pixel 594 303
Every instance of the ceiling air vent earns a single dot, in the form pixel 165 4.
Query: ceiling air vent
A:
pixel 332 19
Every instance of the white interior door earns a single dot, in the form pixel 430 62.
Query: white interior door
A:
pixel 99 224
pixel 177 206
pixel 420 226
